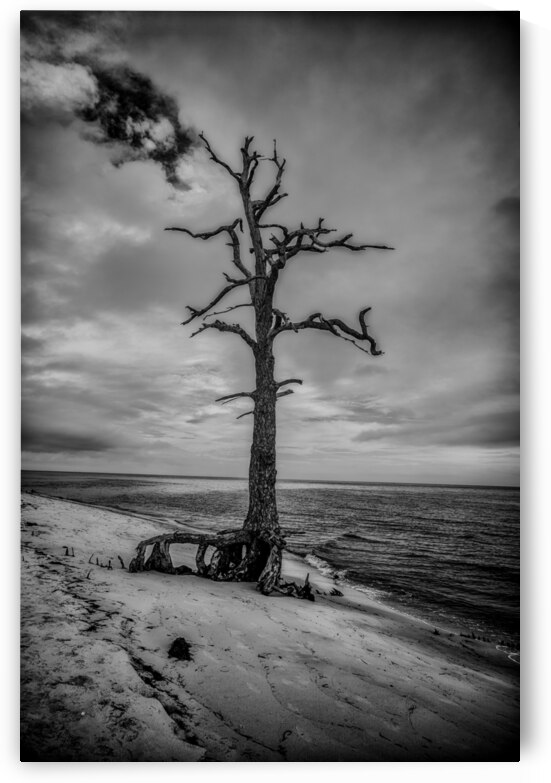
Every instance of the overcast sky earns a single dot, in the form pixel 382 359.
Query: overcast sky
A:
pixel 400 128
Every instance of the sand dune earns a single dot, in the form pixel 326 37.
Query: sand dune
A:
pixel 270 678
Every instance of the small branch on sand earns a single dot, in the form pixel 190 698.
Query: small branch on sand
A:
pixel 121 561
pixel 90 558
pixel 291 588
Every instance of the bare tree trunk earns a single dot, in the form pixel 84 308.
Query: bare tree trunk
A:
pixel 263 560
pixel 262 513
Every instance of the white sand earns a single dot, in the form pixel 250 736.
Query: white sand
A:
pixel 272 678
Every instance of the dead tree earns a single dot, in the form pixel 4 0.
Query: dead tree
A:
pixel 254 552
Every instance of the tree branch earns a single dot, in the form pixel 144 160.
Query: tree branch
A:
pixel 289 380
pixel 273 196
pixel 234 284
pixel 335 326
pixel 229 309
pixel 308 240
pixel 218 160
pixel 280 318
pixel 222 326
pixel 284 393
pixel 247 413
pixel 229 229
pixel 232 397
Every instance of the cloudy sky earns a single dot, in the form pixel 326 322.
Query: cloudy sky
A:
pixel 402 128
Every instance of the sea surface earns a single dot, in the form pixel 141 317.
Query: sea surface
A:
pixel 447 554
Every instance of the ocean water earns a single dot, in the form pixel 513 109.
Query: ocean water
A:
pixel 448 554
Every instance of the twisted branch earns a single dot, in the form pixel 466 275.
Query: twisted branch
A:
pixel 307 240
pixel 335 326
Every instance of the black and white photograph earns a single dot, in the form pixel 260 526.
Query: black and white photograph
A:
pixel 270 418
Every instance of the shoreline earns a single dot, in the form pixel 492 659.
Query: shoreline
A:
pixel 508 644
pixel 271 678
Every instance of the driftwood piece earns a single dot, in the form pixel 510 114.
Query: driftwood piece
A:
pixel 298 591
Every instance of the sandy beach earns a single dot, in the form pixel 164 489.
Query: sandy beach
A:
pixel 269 678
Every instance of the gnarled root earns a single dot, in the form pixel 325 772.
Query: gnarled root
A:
pixel 239 556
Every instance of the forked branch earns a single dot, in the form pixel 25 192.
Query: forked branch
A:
pixel 274 195
pixel 308 240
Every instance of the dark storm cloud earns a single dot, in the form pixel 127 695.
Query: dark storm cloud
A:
pixel 123 109
pixel 138 120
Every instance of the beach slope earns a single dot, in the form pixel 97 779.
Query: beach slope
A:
pixel 268 678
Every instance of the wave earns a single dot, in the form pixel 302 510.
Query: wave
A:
pixel 324 567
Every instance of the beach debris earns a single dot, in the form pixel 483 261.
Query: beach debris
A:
pixel 109 567
pixel 88 574
pixel 180 649
pixel 66 548
pixel 90 558
pixel 121 561
pixel 72 552
pixel 335 592
pixel 297 591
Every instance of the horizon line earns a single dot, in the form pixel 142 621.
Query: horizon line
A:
pixel 295 480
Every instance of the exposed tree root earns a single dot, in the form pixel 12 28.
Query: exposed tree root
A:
pixel 239 556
